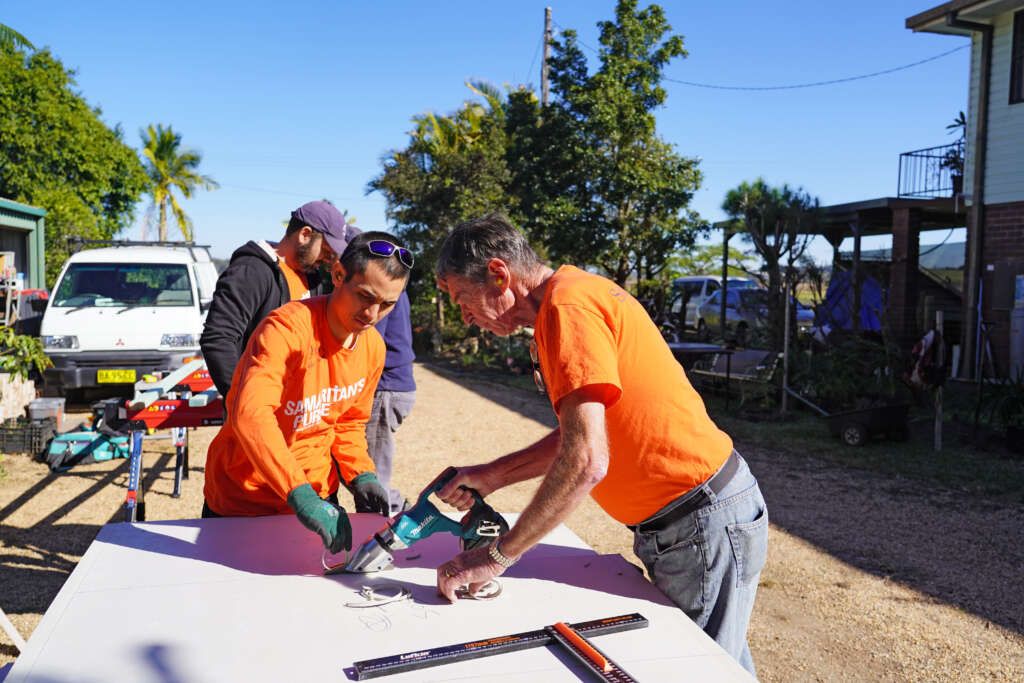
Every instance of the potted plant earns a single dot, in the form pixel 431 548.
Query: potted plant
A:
pixel 953 159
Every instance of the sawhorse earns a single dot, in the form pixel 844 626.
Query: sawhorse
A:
pixel 199 406
pixel 135 503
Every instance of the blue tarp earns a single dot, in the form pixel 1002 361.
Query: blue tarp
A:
pixel 836 311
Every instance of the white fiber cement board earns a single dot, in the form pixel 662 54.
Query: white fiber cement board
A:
pixel 243 599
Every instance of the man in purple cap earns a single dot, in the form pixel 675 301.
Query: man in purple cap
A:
pixel 264 275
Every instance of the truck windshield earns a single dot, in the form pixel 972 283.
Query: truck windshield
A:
pixel 124 284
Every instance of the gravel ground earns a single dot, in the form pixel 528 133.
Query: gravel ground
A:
pixel 868 578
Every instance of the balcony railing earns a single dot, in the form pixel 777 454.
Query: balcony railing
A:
pixel 932 172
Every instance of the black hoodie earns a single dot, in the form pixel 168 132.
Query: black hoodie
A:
pixel 247 291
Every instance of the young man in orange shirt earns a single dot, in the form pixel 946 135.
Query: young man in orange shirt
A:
pixel 632 433
pixel 302 392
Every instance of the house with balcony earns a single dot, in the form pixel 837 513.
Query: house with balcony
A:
pixel 992 168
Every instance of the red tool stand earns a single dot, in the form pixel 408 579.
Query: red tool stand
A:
pixel 175 413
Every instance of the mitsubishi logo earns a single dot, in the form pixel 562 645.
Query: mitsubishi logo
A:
pixel 119 342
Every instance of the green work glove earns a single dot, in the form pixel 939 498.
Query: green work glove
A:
pixel 327 519
pixel 369 495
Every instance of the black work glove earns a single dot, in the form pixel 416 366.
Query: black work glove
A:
pixel 327 519
pixel 369 495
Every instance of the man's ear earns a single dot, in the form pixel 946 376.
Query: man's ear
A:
pixel 306 235
pixel 498 269
pixel 337 273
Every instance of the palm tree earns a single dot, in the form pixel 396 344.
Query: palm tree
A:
pixel 169 166
pixel 10 37
pixel 444 134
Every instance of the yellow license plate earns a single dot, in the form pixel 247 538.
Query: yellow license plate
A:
pixel 115 376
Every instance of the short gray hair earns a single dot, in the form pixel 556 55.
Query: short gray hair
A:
pixel 471 244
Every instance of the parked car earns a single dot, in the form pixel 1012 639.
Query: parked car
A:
pixel 745 310
pixel 688 293
pixel 124 311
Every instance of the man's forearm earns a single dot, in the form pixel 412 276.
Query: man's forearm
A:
pixel 581 463
pixel 528 463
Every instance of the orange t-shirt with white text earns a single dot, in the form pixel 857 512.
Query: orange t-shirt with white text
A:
pixel 592 333
pixel 299 404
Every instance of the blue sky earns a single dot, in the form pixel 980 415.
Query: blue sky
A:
pixel 289 102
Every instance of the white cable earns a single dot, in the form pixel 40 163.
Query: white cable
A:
pixel 375 600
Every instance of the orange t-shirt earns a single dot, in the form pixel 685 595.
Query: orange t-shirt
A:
pixel 298 285
pixel 298 406
pixel 592 333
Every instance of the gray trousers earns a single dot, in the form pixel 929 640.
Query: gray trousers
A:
pixel 390 408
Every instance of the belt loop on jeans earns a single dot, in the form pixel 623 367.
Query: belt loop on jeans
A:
pixel 692 499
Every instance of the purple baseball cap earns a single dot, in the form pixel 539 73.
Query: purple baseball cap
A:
pixel 328 221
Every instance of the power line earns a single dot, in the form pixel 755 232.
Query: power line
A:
pixel 802 85
pixel 820 83
pixel 562 28
pixel 944 240
pixel 534 60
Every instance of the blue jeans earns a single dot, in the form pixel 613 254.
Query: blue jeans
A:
pixel 390 408
pixel 708 561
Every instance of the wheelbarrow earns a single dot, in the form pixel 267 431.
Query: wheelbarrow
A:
pixel 855 427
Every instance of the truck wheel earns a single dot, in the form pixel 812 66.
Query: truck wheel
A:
pixel 853 434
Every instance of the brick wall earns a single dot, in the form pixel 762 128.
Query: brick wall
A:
pixel 1004 253
pixel 1004 231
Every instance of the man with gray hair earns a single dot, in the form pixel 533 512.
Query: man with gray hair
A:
pixel 632 434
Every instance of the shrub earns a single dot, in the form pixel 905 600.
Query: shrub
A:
pixel 21 354
pixel 857 370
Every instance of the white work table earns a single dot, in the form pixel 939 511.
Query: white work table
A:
pixel 244 599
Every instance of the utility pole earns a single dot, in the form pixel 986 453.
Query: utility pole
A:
pixel 544 64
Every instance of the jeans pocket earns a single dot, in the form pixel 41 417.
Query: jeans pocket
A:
pixel 396 407
pixel 392 416
pixel 749 542
pixel 675 561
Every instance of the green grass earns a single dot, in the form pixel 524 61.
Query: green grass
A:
pixel 979 469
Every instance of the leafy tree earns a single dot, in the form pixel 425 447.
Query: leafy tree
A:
pixel 780 222
pixel 597 184
pixel 56 153
pixel 170 167
pixel 706 259
pixel 453 169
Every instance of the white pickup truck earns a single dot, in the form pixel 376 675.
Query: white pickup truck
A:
pixel 119 312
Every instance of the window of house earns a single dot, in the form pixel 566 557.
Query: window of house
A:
pixel 1017 60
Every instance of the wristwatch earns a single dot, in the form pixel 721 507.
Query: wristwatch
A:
pixel 498 557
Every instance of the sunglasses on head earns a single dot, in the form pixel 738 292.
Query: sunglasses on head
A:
pixel 386 249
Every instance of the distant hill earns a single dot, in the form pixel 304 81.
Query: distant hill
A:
pixel 930 256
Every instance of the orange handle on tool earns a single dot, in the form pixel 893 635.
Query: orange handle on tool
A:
pixel 584 647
